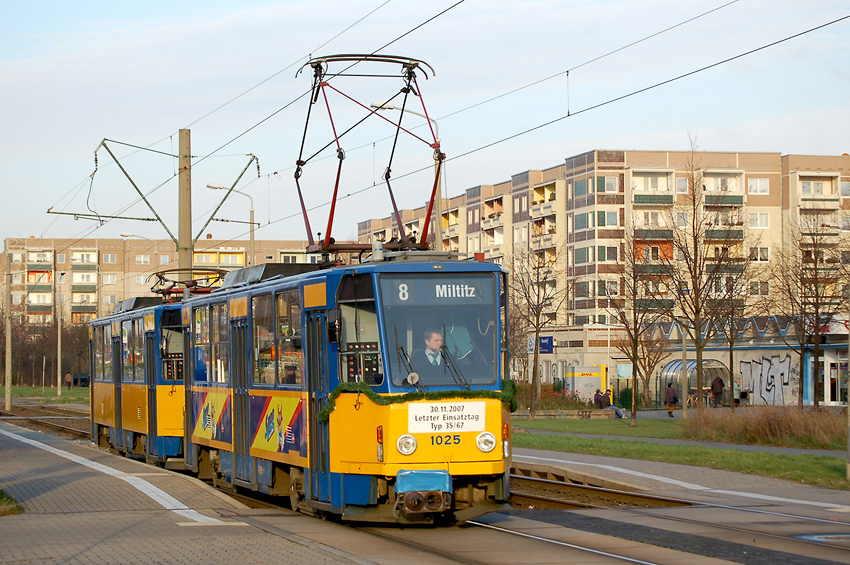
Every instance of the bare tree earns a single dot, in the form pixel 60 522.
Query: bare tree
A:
pixel 806 284
pixel 707 238
pixel 536 297
pixel 637 302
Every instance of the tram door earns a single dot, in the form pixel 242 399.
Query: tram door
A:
pixel 150 381
pixel 239 374
pixel 318 485
pixel 117 374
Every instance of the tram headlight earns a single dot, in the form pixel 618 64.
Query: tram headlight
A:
pixel 406 444
pixel 486 442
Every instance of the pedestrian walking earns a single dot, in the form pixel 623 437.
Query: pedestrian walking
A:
pixel 717 386
pixel 69 380
pixel 670 399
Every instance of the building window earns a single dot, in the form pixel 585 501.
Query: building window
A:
pixel 163 259
pixel 606 184
pixel 109 299
pixel 845 189
pixel 759 288
pixel 608 288
pixel 582 289
pixel 17 257
pixel 61 278
pixel 651 219
pixel 60 257
pixel 582 221
pixel 682 185
pixel 606 253
pixel 288 258
pixel 140 280
pixel 580 188
pixel 205 258
pixel 759 220
pixel 82 257
pixel 607 219
pixel 652 252
pixel 143 259
pixel 582 255
pixel 649 182
pixel 757 186
pixel 83 278
pixel 681 219
pixel 845 223
pixel 232 259
pixel 17 299
pixel 110 278
pixel 17 278
pixel 813 188
pixel 759 254
pixel 39 277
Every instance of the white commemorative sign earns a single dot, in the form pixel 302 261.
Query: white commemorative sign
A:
pixel 436 417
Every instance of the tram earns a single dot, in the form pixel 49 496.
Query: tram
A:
pixel 313 386
pixel 137 395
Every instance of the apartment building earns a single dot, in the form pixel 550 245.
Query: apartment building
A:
pixel 86 278
pixel 583 212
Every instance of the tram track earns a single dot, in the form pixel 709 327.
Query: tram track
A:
pixel 528 493
pixel 49 419
pixel 566 496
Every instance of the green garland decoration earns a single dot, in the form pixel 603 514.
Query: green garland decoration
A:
pixel 507 395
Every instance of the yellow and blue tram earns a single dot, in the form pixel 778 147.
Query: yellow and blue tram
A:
pixel 315 386
pixel 137 393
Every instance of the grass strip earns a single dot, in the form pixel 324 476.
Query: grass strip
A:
pixel 77 395
pixel 669 429
pixel 7 505
pixel 827 472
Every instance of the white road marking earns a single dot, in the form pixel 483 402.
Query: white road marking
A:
pixel 692 486
pixel 156 494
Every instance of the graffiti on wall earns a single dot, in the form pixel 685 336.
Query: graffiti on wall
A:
pixel 769 379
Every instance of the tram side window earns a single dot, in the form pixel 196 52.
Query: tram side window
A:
pixel 262 315
pixel 360 356
pixel 127 349
pixel 97 341
pixel 201 331
pixel 289 352
pixel 106 344
pixel 219 324
pixel 139 349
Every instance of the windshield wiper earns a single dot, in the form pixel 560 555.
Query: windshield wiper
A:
pixel 451 365
pixel 404 362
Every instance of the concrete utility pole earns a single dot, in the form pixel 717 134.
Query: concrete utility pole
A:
pixel 57 308
pixel 686 380
pixel 848 400
pixel 8 332
pixel 185 245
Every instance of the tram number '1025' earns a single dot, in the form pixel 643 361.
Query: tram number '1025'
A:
pixel 445 440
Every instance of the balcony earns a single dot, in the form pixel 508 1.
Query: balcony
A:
pixel 542 209
pixel 657 269
pixel 83 288
pixel 726 266
pixel 724 200
pixel 84 308
pixel 654 303
pixel 31 288
pixel 36 308
pixel 828 202
pixel 653 200
pixel 492 221
pixel 724 235
pixel 653 234
pixel 83 267
pixel 39 266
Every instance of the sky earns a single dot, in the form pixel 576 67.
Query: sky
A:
pixel 74 74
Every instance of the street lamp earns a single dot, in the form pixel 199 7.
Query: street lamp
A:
pixel 438 209
pixel 214 186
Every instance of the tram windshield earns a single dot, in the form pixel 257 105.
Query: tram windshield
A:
pixel 441 327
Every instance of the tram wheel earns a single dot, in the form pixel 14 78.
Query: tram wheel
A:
pixel 296 488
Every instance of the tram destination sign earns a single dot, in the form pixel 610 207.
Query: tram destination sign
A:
pixel 437 290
